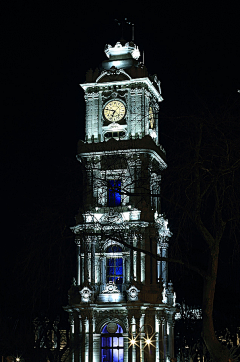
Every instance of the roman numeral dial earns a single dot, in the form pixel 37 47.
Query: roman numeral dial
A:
pixel 114 111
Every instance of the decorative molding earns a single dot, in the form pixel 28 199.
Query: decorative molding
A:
pixel 103 317
pixel 112 71
pixel 158 83
pixel 132 293
pixel 131 83
pixel 85 295
pixel 111 288
pixel 119 49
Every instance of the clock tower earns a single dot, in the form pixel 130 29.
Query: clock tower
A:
pixel 121 305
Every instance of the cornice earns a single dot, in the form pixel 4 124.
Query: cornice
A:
pixel 143 145
pixel 123 83
pixel 97 227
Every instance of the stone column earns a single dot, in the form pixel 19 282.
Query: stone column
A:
pixel 104 271
pixel 96 346
pixel 71 322
pixel 76 336
pixel 79 279
pixel 90 338
pixel 83 344
pixel 92 114
pixel 127 268
pixel 93 262
pixel 85 247
pixel 138 260
pixel 156 337
pixel 161 338
pixel 165 341
pixel 124 274
pixel 130 332
pixel 146 110
pixel 131 261
pixel 134 263
pixel 171 337
pixel 158 264
pixel 153 261
pixel 143 268
pixel 164 247
pixel 101 273
pixel 138 330
pixel 148 265
pixel 125 347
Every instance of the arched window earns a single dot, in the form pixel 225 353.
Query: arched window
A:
pixel 112 343
pixel 115 266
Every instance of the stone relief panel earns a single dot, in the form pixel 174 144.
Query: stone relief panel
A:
pixel 103 317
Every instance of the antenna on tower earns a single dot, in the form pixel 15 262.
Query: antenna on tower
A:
pixel 129 23
pixel 122 23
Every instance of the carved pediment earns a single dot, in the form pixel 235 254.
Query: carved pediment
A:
pixel 112 217
pixel 111 288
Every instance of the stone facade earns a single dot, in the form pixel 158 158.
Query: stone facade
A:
pixel 121 307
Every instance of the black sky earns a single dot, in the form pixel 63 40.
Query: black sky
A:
pixel 47 48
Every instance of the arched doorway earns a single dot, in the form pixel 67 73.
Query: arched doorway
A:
pixel 112 346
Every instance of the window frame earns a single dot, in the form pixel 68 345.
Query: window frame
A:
pixel 114 198
pixel 111 345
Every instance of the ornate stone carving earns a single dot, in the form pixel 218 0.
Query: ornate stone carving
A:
pixel 112 216
pixel 111 288
pixel 119 49
pixel 158 84
pixel 113 315
pixel 85 295
pixel 112 327
pixel 112 71
pixel 132 293
pixel 161 316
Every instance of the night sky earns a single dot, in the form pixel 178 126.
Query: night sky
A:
pixel 47 48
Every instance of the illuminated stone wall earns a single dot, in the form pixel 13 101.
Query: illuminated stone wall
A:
pixel 117 284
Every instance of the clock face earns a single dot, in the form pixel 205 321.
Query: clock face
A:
pixel 151 118
pixel 114 111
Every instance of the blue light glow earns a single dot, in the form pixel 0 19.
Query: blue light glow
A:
pixel 114 190
pixel 112 345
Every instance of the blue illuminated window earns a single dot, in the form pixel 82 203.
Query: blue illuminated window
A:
pixel 115 266
pixel 115 270
pixel 112 345
pixel 114 193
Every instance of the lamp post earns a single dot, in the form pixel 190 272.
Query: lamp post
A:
pixel 142 339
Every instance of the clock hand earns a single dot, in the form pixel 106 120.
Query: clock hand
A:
pixel 117 109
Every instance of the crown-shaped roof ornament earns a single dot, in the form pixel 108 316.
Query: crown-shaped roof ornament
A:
pixel 129 50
